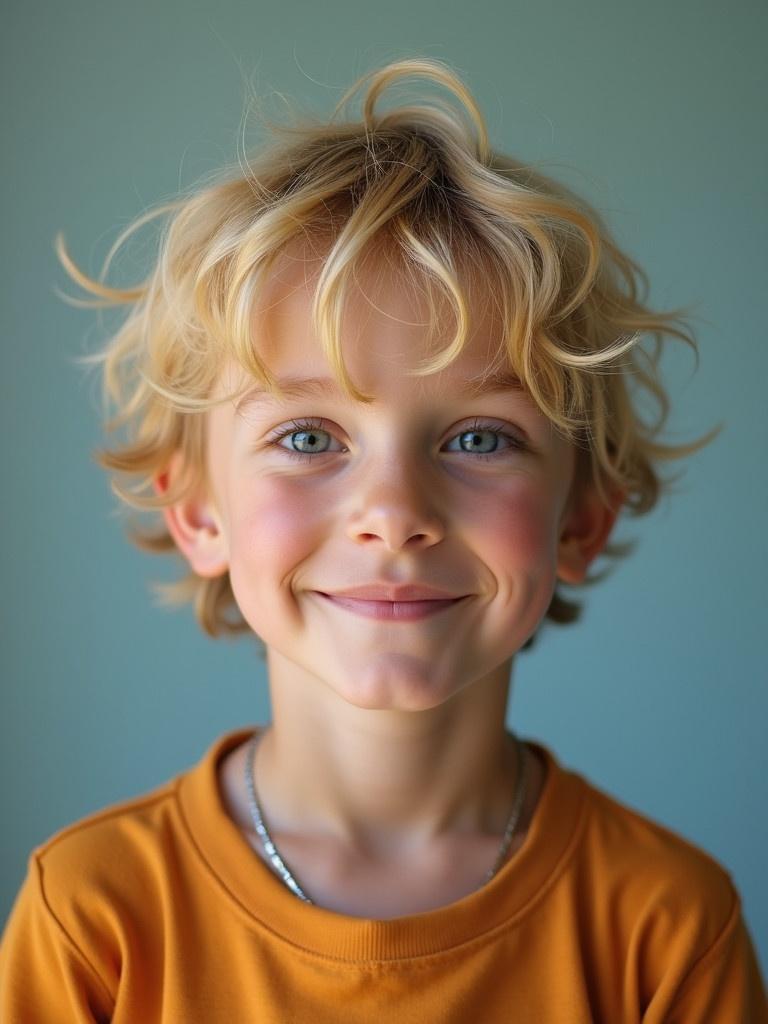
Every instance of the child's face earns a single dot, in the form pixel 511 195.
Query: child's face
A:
pixel 407 490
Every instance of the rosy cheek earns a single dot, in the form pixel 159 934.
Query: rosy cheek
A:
pixel 275 529
pixel 518 528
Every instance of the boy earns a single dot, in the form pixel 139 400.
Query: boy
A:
pixel 379 388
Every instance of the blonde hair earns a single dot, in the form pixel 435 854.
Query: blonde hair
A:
pixel 423 179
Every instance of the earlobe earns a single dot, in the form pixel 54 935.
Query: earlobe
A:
pixel 585 533
pixel 196 528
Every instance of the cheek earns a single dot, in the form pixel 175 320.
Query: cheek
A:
pixel 518 529
pixel 515 540
pixel 272 529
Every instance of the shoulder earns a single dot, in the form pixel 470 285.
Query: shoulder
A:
pixel 647 909
pixel 117 868
pixel 652 857
pixel 96 866
pixel 128 842
pixel 88 888
pixel 127 824
pixel 111 887
pixel 625 852
pixel 666 902
pixel 122 862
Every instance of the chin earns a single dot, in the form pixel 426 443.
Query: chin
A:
pixel 396 693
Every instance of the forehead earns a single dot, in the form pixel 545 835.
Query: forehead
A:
pixel 390 323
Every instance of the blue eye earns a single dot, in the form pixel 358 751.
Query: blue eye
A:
pixel 308 437
pixel 482 440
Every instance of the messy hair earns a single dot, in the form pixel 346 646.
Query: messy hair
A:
pixel 422 180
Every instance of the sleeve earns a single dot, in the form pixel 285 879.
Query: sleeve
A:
pixel 44 976
pixel 725 985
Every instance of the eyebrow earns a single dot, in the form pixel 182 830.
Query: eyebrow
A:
pixel 314 387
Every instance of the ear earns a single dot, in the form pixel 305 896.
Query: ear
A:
pixel 196 526
pixel 585 532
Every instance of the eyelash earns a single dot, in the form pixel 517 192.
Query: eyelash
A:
pixel 299 425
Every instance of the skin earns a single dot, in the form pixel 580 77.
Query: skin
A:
pixel 386 777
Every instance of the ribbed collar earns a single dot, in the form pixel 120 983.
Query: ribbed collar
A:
pixel 234 867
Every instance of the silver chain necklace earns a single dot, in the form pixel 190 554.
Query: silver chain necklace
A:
pixel 279 864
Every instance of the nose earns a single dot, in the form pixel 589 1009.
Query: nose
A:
pixel 395 508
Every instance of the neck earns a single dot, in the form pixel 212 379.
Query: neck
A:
pixel 385 781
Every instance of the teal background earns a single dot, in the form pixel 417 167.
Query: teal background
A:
pixel 656 112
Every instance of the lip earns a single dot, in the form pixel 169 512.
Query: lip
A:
pixel 394 592
pixel 393 611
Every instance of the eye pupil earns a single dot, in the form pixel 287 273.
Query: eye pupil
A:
pixel 305 436
pixel 475 437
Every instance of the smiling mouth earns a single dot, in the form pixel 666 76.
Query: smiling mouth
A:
pixel 395 611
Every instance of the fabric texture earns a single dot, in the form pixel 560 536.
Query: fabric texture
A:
pixel 158 910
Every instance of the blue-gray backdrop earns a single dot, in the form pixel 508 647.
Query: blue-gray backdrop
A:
pixel 656 112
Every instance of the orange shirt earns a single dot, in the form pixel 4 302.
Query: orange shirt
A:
pixel 158 910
